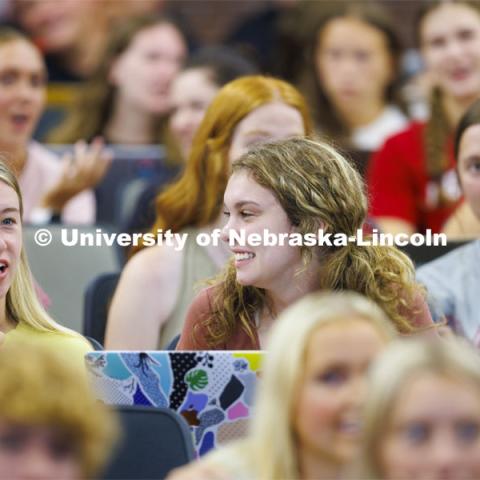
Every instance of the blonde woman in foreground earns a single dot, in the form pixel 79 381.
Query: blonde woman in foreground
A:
pixel 21 315
pixel 306 423
pixel 422 417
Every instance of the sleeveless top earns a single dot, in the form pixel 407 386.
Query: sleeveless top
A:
pixel 196 267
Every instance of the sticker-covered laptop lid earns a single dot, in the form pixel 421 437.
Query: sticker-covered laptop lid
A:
pixel 212 390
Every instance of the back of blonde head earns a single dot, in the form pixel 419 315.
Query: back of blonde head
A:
pixel 38 387
pixel 274 455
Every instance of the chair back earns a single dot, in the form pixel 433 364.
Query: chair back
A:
pixel 154 441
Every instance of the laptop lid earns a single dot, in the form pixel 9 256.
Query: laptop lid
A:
pixel 212 390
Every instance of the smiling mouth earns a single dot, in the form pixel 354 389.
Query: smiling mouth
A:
pixel 350 427
pixel 244 256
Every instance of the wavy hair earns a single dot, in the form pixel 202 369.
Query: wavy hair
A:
pixel 275 456
pixel 452 359
pixel 317 188
pixel 196 199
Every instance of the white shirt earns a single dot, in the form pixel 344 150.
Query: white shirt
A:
pixel 372 136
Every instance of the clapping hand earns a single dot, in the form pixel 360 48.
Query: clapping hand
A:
pixel 83 169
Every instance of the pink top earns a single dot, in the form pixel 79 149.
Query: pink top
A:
pixel 41 171
pixel 194 333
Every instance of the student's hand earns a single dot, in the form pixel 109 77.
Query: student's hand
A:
pixel 198 470
pixel 83 169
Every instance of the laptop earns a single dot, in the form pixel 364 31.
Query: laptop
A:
pixel 213 391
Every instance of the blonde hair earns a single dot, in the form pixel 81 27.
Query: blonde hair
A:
pixel 275 456
pixel 316 185
pixel 22 304
pixel 38 387
pixel 453 358
pixel 196 199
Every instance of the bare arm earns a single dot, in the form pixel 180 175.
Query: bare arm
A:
pixel 145 297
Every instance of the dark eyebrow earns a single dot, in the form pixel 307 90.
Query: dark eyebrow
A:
pixel 245 202
pixel 10 210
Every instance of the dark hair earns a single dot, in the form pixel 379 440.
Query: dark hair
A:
pixel 470 117
pixel 224 63
pixel 324 112
pixel 95 103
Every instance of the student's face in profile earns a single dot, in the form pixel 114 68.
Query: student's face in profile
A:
pixel 144 73
pixel 192 92
pixel 433 431
pixel 332 391
pixel 251 208
pixel 10 237
pixel 450 37
pixel 22 92
pixel 469 167
pixel 272 121
pixel 36 452
pixel 353 62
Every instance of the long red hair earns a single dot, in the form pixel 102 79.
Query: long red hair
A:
pixel 195 200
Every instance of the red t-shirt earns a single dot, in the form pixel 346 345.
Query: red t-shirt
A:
pixel 399 185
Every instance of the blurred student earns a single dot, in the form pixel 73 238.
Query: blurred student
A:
pixel 422 413
pixel 452 280
pixel 128 98
pixel 412 180
pixel 311 394
pixel 51 427
pixel 351 76
pixel 193 89
pixel 49 187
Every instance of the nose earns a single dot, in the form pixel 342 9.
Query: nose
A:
pixel 23 90
pixel 446 456
pixel 355 396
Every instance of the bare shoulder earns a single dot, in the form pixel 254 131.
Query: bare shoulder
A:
pixel 154 265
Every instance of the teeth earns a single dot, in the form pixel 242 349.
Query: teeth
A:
pixel 350 426
pixel 243 256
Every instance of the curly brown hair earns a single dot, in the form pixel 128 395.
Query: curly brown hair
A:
pixel 316 185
